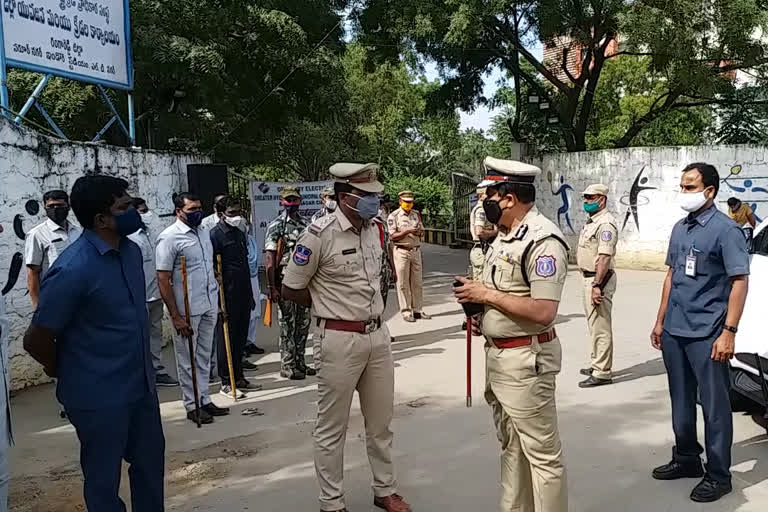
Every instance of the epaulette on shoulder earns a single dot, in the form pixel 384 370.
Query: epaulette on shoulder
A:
pixel 320 224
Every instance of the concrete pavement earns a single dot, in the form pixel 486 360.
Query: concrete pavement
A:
pixel 446 454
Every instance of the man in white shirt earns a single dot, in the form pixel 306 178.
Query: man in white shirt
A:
pixel 210 221
pixel 46 241
pixel 186 238
pixel 145 238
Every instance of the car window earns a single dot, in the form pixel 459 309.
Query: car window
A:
pixel 760 243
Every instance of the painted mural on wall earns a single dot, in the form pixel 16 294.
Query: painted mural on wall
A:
pixel 745 189
pixel 644 184
pixel 633 200
pixel 564 210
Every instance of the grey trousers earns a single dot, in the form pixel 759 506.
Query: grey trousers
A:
pixel 202 340
pixel 156 312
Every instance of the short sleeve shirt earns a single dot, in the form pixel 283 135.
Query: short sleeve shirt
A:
pixel 46 241
pixel 545 267
pixel 179 240
pixel 289 230
pixel 478 219
pixel 146 242
pixel 93 298
pixel 599 237
pixel 341 268
pixel 698 305
pixel 399 220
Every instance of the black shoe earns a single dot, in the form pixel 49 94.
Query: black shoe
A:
pixel 213 379
pixel 214 410
pixel 593 382
pixel 205 417
pixel 676 470
pixel 246 385
pixel 249 366
pixel 710 490
pixel 293 374
pixel 309 371
pixel 587 372
pixel 253 350
pixel 163 380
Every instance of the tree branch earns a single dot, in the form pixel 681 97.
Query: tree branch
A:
pixel 564 65
pixel 503 32
pixel 670 97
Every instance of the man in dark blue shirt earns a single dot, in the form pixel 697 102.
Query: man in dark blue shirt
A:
pixel 700 310
pixel 92 302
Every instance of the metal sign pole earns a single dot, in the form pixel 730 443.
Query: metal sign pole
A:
pixel 5 101
pixel 131 120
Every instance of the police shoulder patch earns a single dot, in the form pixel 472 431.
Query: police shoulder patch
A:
pixel 606 236
pixel 301 255
pixel 546 266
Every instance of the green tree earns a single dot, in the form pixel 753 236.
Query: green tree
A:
pixel 695 44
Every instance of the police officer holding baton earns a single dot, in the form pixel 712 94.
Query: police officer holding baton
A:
pixel 523 277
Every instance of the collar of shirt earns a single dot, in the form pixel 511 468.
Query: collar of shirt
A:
pixel 182 227
pixel 596 217
pixel 513 232
pixel 55 227
pixel 345 223
pixel 99 243
pixel 703 217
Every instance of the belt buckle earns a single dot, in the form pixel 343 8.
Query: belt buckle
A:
pixel 370 326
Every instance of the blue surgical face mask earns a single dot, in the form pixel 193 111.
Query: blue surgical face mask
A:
pixel 128 222
pixel 367 206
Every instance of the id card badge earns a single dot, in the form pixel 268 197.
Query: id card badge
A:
pixel 690 263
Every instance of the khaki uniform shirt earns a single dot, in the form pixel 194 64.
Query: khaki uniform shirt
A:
pixel 545 265
pixel 477 219
pixel 599 236
pixel 340 267
pixel 399 220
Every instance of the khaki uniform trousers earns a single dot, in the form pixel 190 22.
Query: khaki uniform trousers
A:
pixel 520 388
pixel 408 267
pixel 347 362
pixel 477 260
pixel 600 326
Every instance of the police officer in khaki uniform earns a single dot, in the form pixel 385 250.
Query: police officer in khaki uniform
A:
pixel 406 231
pixel 483 232
pixel 523 277
pixel 597 250
pixel 336 267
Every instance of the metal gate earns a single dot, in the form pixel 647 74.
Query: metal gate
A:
pixel 240 188
pixel 464 189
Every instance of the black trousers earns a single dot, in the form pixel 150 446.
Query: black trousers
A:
pixel 239 318
pixel 690 369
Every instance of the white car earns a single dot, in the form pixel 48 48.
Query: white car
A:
pixel 749 367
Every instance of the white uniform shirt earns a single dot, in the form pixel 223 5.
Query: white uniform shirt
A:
pixel 179 240
pixel 46 241
pixel 145 239
pixel 210 222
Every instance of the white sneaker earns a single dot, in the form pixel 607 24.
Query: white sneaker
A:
pixel 227 392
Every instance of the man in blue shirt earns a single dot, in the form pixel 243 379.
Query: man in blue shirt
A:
pixel 700 310
pixel 92 302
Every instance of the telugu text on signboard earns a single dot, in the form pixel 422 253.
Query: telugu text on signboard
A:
pixel 83 40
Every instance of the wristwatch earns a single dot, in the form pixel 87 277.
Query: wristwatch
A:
pixel 728 328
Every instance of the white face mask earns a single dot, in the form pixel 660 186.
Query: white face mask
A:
pixel 236 222
pixel 330 205
pixel 146 218
pixel 692 202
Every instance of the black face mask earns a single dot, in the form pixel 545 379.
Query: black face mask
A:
pixel 492 210
pixel 57 214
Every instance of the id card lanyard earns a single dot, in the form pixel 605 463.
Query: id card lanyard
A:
pixel 690 261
